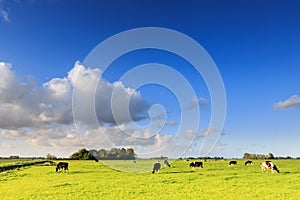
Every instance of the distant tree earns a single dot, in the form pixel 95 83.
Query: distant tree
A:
pixel 130 153
pixel 94 153
pixel 102 154
pixel 82 154
pixel 247 156
pixel 14 157
pixel 258 156
pixel 270 156
pixel 50 157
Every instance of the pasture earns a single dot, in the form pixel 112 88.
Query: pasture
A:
pixel 91 180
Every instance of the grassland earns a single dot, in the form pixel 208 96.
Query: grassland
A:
pixel 91 180
pixel 5 162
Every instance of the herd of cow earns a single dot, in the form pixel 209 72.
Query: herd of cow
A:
pixel 264 165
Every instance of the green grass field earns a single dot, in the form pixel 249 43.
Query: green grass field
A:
pixel 5 162
pixel 91 180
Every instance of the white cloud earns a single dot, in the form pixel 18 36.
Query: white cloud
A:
pixel 5 15
pixel 25 105
pixel 201 102
pixel 190 134
pixel 5 145
pixel 84 80
pixel 162 123
pixel 209 130
pixel 101 137
pixel 292 103
pixel 171 123
pixel 41 116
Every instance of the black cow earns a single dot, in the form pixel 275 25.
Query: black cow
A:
pixel 248 162
pixel 62 165
pixel 233 162
pixel 196 164
pixel 156 167
pixel 167 163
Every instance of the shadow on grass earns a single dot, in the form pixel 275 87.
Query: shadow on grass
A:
pixel 182 172
pixel 63 185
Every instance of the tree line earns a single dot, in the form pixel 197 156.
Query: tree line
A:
pixel 258 156
pixel 103 154
pixel 263 156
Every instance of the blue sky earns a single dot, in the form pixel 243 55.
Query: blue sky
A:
pixel 255 45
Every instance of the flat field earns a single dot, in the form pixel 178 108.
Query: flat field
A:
pixel 92 180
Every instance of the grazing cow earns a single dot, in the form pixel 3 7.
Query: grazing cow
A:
pixel 62 165
pixel 167 164
pixel 268 165
pixel 233 162
pixel 156 167
pixel 196 164
pixel 248 162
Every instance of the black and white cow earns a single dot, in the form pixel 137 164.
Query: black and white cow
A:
pixel 268 165
pixel 196 164
pixel 62 165
pixel 248 162
pixel 232 162
pixel 156 167
pixel 167 164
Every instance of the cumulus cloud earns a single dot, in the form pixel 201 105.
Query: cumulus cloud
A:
pixel 207 131
pixel 211 130
pixel 162 123
pixel 292 103
pixel 190 134
pixel 4 15
pixel 25 105
pixel 144 142
pixel 108 96
pixel 171 123
pixel 41 116
pixel 201 102
pixel 5 145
